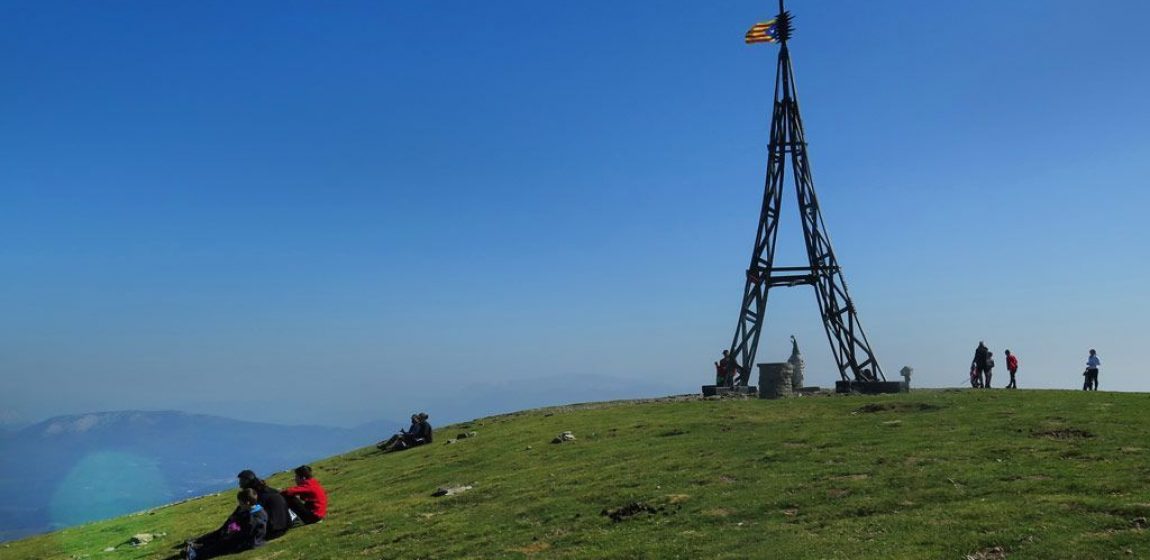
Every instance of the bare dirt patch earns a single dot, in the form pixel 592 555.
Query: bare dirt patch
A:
pixel 992 553
pixel 895 407
pixel 533 548
pixel 635 508
pixel 1062 434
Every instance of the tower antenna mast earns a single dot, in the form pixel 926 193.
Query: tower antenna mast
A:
pixel 852 352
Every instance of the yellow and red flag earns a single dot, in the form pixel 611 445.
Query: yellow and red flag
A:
pixel 765 32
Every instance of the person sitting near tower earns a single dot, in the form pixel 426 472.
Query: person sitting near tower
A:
pixel 726 369
pixel 307 499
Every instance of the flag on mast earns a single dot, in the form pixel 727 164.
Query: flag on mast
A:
pixel 765 32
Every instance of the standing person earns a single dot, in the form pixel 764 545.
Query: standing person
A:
pixel 1012 367
pixel 279 520
pixel 978 365
pixel 1091 373
pixel 245 529
pixel 307 499
pixel 989 368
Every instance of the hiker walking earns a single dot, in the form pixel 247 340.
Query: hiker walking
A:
pixel 1012 367
pixel 1091 373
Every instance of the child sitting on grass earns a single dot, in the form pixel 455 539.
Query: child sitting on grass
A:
pixel 244 529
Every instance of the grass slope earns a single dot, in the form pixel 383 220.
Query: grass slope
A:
pixel 930 474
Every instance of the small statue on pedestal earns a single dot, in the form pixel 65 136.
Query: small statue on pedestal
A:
pixel 796 361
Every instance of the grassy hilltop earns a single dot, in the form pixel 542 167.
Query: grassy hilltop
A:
pixel 930 474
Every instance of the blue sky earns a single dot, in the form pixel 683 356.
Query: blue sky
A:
pixel 316 213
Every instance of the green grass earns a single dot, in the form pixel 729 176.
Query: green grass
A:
pixel 930 474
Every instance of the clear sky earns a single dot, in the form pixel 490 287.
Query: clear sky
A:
pixel 313 212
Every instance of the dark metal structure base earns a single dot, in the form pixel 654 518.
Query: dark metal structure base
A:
pixel 870 387
pixel 720 390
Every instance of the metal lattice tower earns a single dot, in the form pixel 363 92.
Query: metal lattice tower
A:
pixel 852 352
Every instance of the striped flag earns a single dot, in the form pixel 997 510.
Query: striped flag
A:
pixel 766 32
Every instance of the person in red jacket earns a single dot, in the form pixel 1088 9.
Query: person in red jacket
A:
pixel 307 499
pixel 1012 367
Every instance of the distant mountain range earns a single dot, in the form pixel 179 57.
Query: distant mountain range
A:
pixel 74 469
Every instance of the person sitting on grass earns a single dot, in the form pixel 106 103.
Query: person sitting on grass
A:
pixel 245 529
pixel 279 519
pixel 307 499
pixel 418 433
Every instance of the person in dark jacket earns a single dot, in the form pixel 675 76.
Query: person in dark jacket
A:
pixel 279 519
pixel 388 444
pixel 307 499
pixel 425 433
pixel 419 433
pixel 978 365
pixel 245 529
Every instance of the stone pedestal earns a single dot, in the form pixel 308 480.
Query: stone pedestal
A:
pixel 722 390
pixel 775 380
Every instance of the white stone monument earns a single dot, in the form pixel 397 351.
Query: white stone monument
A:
pixel 796 361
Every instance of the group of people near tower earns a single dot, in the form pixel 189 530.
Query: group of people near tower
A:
pixel 982 369
pixel 727 371
pixel 262 513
